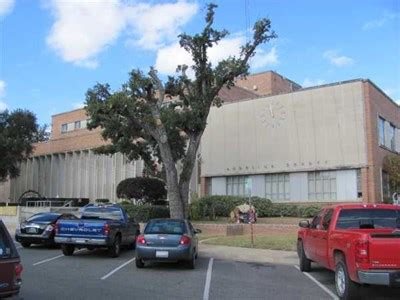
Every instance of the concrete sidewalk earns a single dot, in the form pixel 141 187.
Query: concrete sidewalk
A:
pixel 249 254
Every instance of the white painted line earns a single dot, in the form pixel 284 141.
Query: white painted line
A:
pixel 117 269
pixel 319 284
pixel 53 258
pixel 206 293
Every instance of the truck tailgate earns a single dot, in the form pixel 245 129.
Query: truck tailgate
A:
pixel 81 228
pixel 384 250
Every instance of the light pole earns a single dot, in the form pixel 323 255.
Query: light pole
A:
pixel 248 188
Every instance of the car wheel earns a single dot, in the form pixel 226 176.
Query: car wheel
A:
pixel 346 289
pixel 304 262
pixel 191 264
pixel 67 250
pixel 139 263
pixel 25 244
pixel 115 249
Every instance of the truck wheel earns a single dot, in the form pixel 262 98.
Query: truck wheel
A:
pixel 304 262
pixel 67 250
pixel 25 244
pixel 115 248
pixel 139 263
pixel 346 289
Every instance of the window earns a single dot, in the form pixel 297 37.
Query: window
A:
pixel 315 222
pixel 359 187
pixel 368 218
pixel 392 131
pixel 235 185
pixel 381 131
pixel 385 187
pixel 77 125
pixel 277 187
pixel 322 185
pixel 209 186
pixel 64 128
pixel 326 221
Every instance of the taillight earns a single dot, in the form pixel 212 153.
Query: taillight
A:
pixel 18 270
pixel 140 240
pixel 106 229
pixel 56 228
pixel 185 240
pixel 362 252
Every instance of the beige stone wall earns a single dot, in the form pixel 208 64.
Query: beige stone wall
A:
pixel 316 128
pixel 4 191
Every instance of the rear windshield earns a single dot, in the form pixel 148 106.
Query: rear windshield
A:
pixel 165 227
pixel 5 246
pixel 368 218
pixel 105 213
pixel 43 218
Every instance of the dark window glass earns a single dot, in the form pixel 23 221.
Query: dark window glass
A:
pixel 165 227
pixel 368 218
pixel 5 247
pixel 105 213
pixel 315 222
pixel 327 219
pixel 77 124
pixel 43 218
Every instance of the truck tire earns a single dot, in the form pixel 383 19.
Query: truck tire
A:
pixel 304 262
pixel 115 248
pixel 139 263
pixel 346 289
pixel 67 250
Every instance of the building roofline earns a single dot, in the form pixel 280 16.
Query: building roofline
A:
pixel 67 112
pixel 276 73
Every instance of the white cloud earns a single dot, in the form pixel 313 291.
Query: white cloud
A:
pixel 82 29
pixel 169 57
pixel 338 60
pixel 312 82
pixel 373 24
pixel 78 105
pixel 3 106
pixel 2 88
pixel 6 7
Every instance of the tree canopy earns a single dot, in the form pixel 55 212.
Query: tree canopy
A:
pixel 17 133
pixel 163 122
pixel 142 189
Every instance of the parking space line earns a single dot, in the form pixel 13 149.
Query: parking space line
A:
pixel 324 288
pixel 206 293
pixel 118 268
pixel 53 258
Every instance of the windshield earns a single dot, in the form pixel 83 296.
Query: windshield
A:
pixel 106 213
pixel 368 218
pixel 43 218
pixel 165 227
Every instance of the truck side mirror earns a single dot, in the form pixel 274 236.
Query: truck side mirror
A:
pixel 304 224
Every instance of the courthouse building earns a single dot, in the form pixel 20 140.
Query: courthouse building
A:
pixel 289 144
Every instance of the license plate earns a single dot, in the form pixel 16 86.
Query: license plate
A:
pixel 162 254
pixel 31 230
pixel 80 241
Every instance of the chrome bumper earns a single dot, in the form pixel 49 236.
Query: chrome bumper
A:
pixel 381 277
pixel 81 241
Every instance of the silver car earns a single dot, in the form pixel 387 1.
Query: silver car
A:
pixel 167 240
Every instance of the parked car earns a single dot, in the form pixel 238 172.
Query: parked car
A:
pixel 100 226
pixel 40 228
pixel 360 243
pixel 167 240
pixel 10 265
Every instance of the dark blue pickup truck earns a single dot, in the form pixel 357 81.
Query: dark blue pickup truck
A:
pixel 106 226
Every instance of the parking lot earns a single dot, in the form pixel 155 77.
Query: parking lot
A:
pixel 93 275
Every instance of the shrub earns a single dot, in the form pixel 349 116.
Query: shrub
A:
pixel 145 212
pixel 142 189
pixel 210 207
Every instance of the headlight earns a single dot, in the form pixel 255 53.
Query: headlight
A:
pixel 22 226
pixel 49 228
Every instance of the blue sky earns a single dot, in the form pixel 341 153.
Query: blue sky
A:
pixel 51 52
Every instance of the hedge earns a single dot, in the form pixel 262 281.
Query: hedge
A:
pixel 210 207
pixel 145 212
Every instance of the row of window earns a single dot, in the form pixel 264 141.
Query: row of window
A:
pixel 387 134
pixel 321 186
pixel 67 127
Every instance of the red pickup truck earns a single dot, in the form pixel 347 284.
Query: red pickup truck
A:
pixel 359 242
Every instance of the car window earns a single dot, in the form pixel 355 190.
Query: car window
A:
pixel 5 246
pixel 165 227
pixel 105 213
pixel 43 218
pixel 368 218
pixel 326 221
pixel 191 228
pixel 316 221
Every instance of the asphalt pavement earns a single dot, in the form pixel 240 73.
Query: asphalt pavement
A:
pixel 93 275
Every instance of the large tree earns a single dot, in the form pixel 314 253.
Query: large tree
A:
pixel 18 131
pixel 164 122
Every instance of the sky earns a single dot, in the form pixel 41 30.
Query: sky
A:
pixel 53 51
